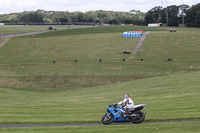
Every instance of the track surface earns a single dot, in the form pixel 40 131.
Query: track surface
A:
pixel 140 42
pixel 65 125
pixel 20 34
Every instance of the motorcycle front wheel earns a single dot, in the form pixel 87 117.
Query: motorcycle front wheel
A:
pixel 139 118
pixel 107 119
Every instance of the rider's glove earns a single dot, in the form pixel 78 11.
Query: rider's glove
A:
pixel 114 104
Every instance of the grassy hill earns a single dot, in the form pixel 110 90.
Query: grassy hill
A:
pixel 23 29
pixel 172 97
pixel 32 58
pixel 34 90
pixel 96 30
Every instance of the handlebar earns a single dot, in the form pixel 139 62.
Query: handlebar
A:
pixel 113 105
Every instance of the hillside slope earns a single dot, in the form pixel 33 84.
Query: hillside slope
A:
pixel 171 97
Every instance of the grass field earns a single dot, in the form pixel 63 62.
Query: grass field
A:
pixel 97 30
pixel 1 41
pixel 153 128
pixel 34 57
pixel 34 90
pixel 172 97
pixel 23 29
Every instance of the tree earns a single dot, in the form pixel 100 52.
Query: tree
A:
pixel 103 16
pixel 173 19
pixel 137 17
pixel 153 15
pixel 27 17
pixel 159 15
pixel 59 17
pixel 193 16
pixel 90 16
pixel 8 18
pixel 80 16
pixel 99 16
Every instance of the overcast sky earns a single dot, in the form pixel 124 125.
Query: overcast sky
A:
pixel 10 6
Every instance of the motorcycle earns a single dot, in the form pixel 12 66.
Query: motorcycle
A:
pixel 118 114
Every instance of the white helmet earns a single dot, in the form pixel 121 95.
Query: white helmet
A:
pixel 126 97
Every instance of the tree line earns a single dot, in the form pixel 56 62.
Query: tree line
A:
pixel 174 15
pixel 99 16
pixel 171 16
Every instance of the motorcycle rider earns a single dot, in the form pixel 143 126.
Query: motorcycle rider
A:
pixel 127 103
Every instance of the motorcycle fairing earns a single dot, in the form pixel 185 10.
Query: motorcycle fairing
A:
pixel 116 112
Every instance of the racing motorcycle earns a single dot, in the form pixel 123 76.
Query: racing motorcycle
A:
pixel 118 114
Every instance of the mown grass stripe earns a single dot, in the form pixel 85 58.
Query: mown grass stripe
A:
pixel 4 42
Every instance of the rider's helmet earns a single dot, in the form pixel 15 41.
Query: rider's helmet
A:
pixel 126 97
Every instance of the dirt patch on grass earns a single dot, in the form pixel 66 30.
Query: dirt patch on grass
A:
pixel 9 82
pixel 116 68
pixel 62 82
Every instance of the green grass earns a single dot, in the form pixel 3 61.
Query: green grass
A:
pixel 20 29
pixel 70 31
pixel 23 29
pixel 84 48
pixel 96 30
pixel 152 128
pixel 33 57
pixel 1 41
pixel 36 91
pixel 168 98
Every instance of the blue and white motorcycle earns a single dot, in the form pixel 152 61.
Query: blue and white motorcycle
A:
pixel 118 114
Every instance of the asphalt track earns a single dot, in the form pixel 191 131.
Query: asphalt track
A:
pixel 20 34
pixel 140 42
pixel 67 125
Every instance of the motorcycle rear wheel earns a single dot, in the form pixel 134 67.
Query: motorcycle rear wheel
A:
pixel 106 120
pixel 139 119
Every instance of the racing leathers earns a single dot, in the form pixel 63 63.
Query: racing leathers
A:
pixel 127 104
